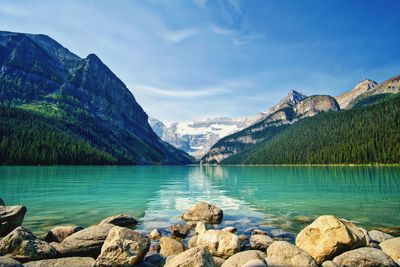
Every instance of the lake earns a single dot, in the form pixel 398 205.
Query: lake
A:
pixel 275 198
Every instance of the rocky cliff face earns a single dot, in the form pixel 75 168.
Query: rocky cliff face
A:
pixel 362 87
pixel 39 74
pixel 269 126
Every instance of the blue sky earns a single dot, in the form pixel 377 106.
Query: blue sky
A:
pixel 192 59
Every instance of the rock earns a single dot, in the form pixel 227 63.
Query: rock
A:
pixel 62 262
pixel 201 227
pixel 10 218
pixel 204 212
pixel 179 230
pixel 9 262
pixel 191 225
pixel 218 261
pixel 155 234
pixel 303 219
pixel 260 242
pixel 194 257
pixel 329 264
pixel 392 248
pixel 368 241
pixel 243 241
pixel 2 207
pixel 255 263
pixel 219 243
pixel 258 232
pixel 24 246
pixel 243 257
pixel 282 253
pixel 193 241
pixel 366 257
pixel 59 233
pixel 230 229
pixel 378 236
pixel 85 243
pixel 122 220
pixel 328 237
pixel 170 246
pixel 155 259
pixel 123 247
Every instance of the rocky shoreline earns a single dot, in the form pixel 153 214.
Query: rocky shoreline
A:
pixel 196 241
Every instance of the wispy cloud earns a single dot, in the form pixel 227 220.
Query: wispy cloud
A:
pixel 151 90
pixel 175 36
pixel 237 37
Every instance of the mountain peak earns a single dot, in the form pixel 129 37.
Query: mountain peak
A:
pixel 363 86
pixel 294 96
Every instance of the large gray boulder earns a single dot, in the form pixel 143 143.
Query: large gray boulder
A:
pixel 219 243
pixel 194 257
pixel 22 245
pixel 85 243
pixel 9 262
pixel 63 262
pixel 10 218
pixel 282 253
pixel 59 233
pixel 243 257
pixel 364 257
pixel 392 248
pixel 203 212
pixel 260 242
pixel 378 236
pixel 328 237
pixel 123 220
pixel 123 247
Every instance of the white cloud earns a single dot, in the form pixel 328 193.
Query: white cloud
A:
pixel 150 90
pixel 221 31
pixel 176 36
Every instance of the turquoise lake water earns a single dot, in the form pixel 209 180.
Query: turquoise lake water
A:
pixel 275 198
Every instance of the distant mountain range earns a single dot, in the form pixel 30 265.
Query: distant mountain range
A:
pixel 79 100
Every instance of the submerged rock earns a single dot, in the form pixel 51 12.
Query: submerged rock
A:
pixel 123 247
pixel 282 253
pixel 63 262
pixel 328 237
pixel 204 212
pixel 194 257
pixel 9 262
pixel 122 220
pixel 365 257
pixel 392 248
pixel 243 257
pixel 59 233
pixel 170 246
pixel 22 245
pixel 260 242
pixel 10 218
pixel 257 231
pixel 85 243
pixel 219 243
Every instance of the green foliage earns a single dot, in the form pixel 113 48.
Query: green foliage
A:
pixel 365 135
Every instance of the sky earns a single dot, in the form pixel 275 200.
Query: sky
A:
pixel 191 59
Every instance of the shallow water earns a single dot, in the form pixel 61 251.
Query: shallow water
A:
pixel 275 198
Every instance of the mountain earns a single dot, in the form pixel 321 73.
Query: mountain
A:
pixel 293 97
pixel 346 98
pixel 364 135
pixel 197 137
pixel 283 114
pixel 84 98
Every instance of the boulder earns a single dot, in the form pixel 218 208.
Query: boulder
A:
pixel 193 241
pixel 204 212
pixel 122 220
pixel 170 246
pixel 179 230
pixel 378 236
pixel 218 261
pixel 155 259
pixel 328 237
pixel 258 232
pixel 255 263
pixel 123 247
pixel 365 257
pixel 194 257
pixel 62 262
pixel 243 241
pixel 85 243
pixel 155 234
pixel 22 245
pixel 201 227
pixel 260 242
pixel 392 248
pixel 230 229
pixel 10 218
pixel 282 253
pixel 59 233
pixel 9 262
pixel 329 264
pixel 243 257
pixel 219 243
